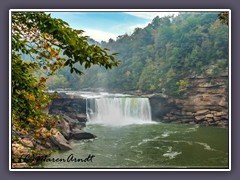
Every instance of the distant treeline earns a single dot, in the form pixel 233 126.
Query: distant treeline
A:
pixel 158 58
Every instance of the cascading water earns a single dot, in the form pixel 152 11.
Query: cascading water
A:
pixel 118 111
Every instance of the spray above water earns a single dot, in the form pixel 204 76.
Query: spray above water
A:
pixel 118 111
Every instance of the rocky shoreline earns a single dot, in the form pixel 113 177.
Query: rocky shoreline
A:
pixel 203 117
pixel 69 127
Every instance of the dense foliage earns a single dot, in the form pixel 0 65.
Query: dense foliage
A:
pixel 162 56
pixel 41 46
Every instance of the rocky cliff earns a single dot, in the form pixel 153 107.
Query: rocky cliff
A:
pixel 205 103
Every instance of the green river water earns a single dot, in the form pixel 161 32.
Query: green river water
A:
pixel 153 145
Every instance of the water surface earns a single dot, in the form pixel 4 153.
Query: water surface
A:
pixel 156 145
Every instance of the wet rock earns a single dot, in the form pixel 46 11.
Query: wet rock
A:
pixel 192 122
pixel 224 117
pixel 186 120
pixel 59 140
pixel 177 122
pixel 78 134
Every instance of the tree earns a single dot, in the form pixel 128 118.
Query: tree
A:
pixel 47 45
pixel 223 17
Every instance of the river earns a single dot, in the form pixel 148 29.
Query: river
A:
pixel 142 143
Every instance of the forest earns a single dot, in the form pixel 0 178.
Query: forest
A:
pixel 158 58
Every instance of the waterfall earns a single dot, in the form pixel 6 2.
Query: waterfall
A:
pixel 117 111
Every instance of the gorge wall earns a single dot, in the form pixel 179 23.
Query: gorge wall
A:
pixel 205 103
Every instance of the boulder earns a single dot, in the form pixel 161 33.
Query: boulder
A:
pixel 78 134
pixel 18 150
pixel 59 140
pixel 72 122
pixel 209 116
pixel 209 120
pixel 64 128
pixel 201 112
pixel 27 142
pixel 199 118
pixel 221 113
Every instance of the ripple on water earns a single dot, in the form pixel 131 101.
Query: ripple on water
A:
pixel 144 141
pixel 171 154
pixel 127 159
pixel 168 133
pixel 206 146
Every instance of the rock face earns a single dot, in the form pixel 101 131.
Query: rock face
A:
pixel 206 103
pixel 160 106
pixel 73 112
pixel 71 105
pixel 59 140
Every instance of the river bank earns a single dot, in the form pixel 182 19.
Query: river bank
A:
pixel 30 152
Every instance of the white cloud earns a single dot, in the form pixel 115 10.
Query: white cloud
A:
pixel 151 15
pixel 98 35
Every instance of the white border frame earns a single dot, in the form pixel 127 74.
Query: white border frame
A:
pixel 120 10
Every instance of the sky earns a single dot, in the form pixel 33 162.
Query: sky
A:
pixel 101 26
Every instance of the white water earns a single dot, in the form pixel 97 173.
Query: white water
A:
pixel 118 111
